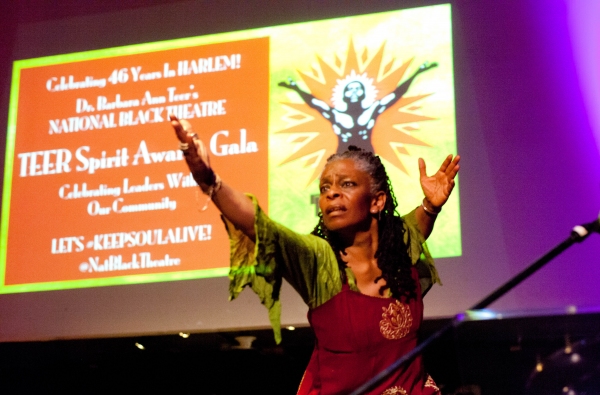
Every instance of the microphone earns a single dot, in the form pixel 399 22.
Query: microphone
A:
pixel 580 232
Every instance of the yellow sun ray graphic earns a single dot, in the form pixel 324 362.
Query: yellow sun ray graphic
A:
pixel 317 127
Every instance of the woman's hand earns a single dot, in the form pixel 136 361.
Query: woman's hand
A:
pixel 437 188
pixel 195 153
pixel 234 205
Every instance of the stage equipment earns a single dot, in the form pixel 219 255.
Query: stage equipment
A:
pixel 578 234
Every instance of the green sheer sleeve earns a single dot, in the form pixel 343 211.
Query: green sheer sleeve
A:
pixel 307 262
pixel 419 254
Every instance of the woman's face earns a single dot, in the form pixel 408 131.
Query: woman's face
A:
pixel 345 200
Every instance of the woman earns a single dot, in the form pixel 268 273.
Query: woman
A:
pixel 362 272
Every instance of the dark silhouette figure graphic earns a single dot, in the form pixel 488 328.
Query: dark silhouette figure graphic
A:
pixel 354 125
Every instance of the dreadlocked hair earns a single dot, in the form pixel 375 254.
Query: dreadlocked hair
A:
pixel 392 253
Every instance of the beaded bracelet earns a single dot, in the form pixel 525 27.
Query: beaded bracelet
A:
pixel 210 192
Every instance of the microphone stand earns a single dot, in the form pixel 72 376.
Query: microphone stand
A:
pixel 579 233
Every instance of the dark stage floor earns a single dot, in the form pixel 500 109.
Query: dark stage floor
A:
pixel 488 354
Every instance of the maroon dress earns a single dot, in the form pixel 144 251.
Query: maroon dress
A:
pixel 358 336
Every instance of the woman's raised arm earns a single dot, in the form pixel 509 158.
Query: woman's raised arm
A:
pixel 437 189
pixel 234 205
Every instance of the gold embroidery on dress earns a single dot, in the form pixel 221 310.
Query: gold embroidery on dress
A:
pixel 431 383
pixel 396 321
pixel 395 391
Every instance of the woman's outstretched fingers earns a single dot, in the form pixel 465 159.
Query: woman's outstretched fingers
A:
pixel 453 166
pixel 449 167
pixel 186 136
pixel 422 168
pixel 179 129
pixel 194 151
pixel 446 164
pixel 438 187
